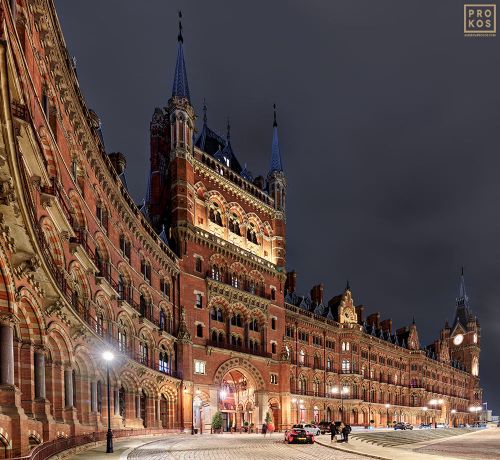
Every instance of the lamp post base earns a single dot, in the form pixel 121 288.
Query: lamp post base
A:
pixel 109 442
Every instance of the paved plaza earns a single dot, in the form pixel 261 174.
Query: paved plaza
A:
pixel 234 447
pixel 479 445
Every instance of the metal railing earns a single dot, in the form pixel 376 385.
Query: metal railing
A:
pixel 50 448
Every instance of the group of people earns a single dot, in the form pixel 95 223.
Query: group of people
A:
pixel 339 433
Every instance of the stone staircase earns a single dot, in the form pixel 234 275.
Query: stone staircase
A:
pixel 404 437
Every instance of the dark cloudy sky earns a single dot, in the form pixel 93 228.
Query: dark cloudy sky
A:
pixel 389 128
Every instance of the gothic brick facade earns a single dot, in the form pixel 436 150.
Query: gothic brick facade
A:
pixel 189 290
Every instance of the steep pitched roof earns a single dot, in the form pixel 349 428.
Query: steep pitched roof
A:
pixel 276 164
pixel 180 87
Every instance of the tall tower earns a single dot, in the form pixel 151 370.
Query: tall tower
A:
pixel 465 339
pixel 172 131
pixel 277 190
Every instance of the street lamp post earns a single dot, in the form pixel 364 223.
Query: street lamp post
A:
pixel 453 412
pixel 342 391
pixel 387 414
pixel 108 357
pixel 475 410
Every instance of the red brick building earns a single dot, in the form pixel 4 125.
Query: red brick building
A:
pixel 189 289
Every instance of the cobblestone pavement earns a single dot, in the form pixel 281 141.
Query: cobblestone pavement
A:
pixel 484 445
pixel 234 447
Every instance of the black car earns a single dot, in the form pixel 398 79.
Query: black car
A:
pixel 324 427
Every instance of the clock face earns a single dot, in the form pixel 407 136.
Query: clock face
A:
pixel 458 339
pixel 475 338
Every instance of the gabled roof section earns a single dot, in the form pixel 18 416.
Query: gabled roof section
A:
pixel 180 87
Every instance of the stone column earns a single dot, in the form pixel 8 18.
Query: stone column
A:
pixel 138 405
pixel 158 411
pixel 116 396
pixel 68 387
pixel 93 396
pixel 6 353
pixel 40 392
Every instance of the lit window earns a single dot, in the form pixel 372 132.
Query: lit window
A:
pixel 199 367
pixel 274 379
pixel 199 301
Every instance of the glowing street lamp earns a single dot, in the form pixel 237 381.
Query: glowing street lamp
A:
pixel 425 409
pixel 342 391
pixel 108 357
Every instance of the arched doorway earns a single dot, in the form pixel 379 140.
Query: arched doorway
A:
pixel 236 400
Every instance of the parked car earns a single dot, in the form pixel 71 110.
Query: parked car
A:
pixel 310 428
pixel 425 426
pixel 298 436
pixel 324 427
pixel 441 425
pixel 403 426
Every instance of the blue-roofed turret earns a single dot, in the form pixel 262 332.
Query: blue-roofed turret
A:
pixel 180 87
pixel 275 177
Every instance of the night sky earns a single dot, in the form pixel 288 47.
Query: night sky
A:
pixel 389 126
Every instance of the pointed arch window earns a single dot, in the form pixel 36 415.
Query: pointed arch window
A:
pixel 122 338
pixel 144 352
pixel 163 360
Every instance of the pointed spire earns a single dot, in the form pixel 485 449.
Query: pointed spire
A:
pixel 204 112
pixel 462 300
pixel 228 135
pixel 347 286
pixel 163 235
pixel 275 151
pixel 413 321
pixel 180 87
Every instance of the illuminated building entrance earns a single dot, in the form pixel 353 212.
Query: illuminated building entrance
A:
pixel 237 401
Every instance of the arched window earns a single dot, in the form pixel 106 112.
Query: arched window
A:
pixel 346 366
pixel 163 360
pixel 302 385
pixel 316 387
pixel 254 325
pixel 234 225
pixel 235 280
pixel 99 324
pixel 302 357
pixel 317 362
pixel 329 363
pixel 252 234
pixel 216 273
pixel 236 320
pixel 220 315
pixel 162 320
pixel 214 336
pixel 165 287
pixel 122 337
pixel 143 352
pixel 345 346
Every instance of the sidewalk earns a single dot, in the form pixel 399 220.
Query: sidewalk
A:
pixel 121 449
pixel 406 452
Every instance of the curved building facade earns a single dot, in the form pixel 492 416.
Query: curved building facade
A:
pixel 189 289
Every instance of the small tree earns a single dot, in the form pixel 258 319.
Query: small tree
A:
pixel 268 419
pixel 217 421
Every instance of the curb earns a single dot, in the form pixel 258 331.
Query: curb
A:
pixel 349 451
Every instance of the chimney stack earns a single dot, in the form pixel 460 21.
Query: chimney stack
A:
pixel 386 325
pixel 317 293
pixel 360 311
pixel 291 281
pixel 373 320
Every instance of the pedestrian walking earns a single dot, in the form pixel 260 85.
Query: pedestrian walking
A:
pixel 264 429
pixel 333 431
pixel 345 433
